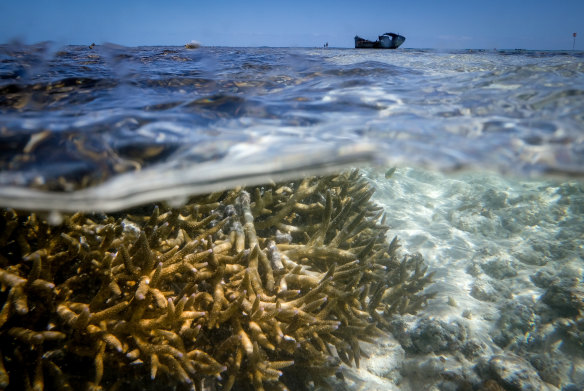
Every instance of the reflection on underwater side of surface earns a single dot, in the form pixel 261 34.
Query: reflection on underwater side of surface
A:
pixel 513 112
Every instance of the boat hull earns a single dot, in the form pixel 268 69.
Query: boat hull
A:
pixel 385 41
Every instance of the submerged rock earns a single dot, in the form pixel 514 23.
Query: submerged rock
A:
pixel 516 320
pixel 553 367
pixel 566 297
pixel 516 374
pixel 484 291
pixel 500 267
pixel 430 335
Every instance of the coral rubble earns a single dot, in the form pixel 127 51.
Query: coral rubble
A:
pixel 243 289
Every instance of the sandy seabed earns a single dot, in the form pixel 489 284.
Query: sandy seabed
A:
pixel 508 261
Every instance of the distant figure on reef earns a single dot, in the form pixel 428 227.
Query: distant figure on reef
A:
pixel 92 45
pixel 326 45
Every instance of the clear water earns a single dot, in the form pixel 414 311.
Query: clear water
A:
pixel 488 145
pixel 499 247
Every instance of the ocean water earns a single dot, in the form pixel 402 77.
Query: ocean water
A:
pixel 252 112
pixel 477 158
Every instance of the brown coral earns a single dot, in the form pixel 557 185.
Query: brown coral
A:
pixel 239 288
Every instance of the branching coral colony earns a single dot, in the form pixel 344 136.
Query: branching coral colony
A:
pixel 244 289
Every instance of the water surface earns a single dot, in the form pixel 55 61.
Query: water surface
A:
pixel 198 120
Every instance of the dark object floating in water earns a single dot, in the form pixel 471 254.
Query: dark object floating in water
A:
pixel 385 41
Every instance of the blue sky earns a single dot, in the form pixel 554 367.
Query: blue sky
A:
pixel 456 24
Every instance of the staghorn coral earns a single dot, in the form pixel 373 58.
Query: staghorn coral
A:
pixel 247 288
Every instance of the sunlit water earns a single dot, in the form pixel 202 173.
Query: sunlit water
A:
pixel 488 145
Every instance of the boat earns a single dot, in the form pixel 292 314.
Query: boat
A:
pixel 193 45
pixel 385 41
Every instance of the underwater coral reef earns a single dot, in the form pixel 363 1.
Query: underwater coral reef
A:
pixel 269 287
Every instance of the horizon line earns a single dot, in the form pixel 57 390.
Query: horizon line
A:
pixel 113 44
